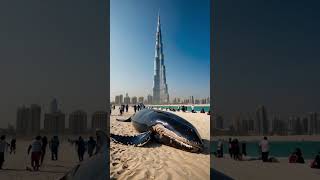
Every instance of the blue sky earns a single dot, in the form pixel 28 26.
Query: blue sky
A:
pixel 186 39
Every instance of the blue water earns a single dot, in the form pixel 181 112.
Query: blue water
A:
pixel 196 108
pixel 279 148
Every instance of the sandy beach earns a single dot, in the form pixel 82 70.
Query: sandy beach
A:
pixel 157 161
pixel 271 138
pixel 15 164
pixel 252 170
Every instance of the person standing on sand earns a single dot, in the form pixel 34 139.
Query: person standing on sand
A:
pixel 135 108
pixel 54 147
pixel 44 147
pixel 3 148
pixel 230 148
pixel 91 145
pixel 13 146
pixel 127 107
pixel 264 146
pixel 35 148
pixel 80 148
pixel 244 148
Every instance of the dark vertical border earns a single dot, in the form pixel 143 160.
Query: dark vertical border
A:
pixel 211 82
pixel 106 46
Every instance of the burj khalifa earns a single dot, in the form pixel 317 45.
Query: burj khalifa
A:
pixel 160 87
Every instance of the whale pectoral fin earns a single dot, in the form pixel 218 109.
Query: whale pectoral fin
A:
pixel 137 140
pixel 124 120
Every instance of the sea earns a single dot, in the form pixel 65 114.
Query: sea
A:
pixel 279 148
pixel 196 108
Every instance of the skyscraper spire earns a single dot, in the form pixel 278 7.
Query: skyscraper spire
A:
pixel 160 87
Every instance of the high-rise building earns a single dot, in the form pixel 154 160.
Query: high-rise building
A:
pixel 262 123
pixel 99 120
pixel 117 100
pixel 140 99
pixel 28 120
pixel 54 106
pixel 54 123
pixel 134 100
pixel 121 98
pixel 78 122
pixel 160 87
pixel 127 99
pixel 149 99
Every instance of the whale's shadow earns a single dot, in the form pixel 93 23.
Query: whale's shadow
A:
pixel 155 144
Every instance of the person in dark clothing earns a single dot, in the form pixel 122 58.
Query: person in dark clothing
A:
pixel 230 148
pixel 91 145
pixel 80 148
pixel 13 146
pixel 316 162
pixel 244 148
pixel 138 108
pixel 3 148
pixel 135 108
pixel 43 147
pixel 127 107
pixel 202 111
pixel 54 147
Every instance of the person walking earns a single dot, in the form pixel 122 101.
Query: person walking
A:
pixel 54 147
pixel 230 148
pixel 3 148
pixel 80 148
pixel 44 147
pixel 35 148
pixel 135 108
pixel 127 107
pixel 91 145
pixel 13 146
pixel 264 146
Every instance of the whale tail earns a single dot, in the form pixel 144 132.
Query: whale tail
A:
pixel 137 140
pixel 124 120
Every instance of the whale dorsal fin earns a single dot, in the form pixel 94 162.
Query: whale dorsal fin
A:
pixel 136 140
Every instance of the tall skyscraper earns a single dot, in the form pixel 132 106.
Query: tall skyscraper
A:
pixel 262 123
pixel 160 87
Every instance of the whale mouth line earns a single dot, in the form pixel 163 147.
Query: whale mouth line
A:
pixel 163 133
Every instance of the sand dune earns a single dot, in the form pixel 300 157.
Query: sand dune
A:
pixel 157 161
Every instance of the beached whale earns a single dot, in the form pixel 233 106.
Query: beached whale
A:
pixel 164 127
pixel 94 168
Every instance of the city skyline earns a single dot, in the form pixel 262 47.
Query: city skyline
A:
pixel 45 54
pixel 266 52
pixel 133 28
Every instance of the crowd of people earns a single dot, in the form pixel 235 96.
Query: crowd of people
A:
pixel 38 148
pixel 238 150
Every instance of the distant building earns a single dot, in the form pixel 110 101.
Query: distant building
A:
pixel 99 120
pixel 78 122
pixel 160 87
pixel 28 120
pixel 54 106
pixel 140 100
pixel 127 99
pixel 121 99
pixel 262 123
pixel 149 99
pixel 134 100
pixel 54 123
pixel 117 100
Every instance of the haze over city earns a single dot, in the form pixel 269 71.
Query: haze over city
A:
pixel 58 54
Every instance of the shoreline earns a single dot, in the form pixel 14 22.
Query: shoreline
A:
pixel 289 138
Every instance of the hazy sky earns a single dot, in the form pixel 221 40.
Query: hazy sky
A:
pixel 186 41
pixel 267 52
pixel 52 49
